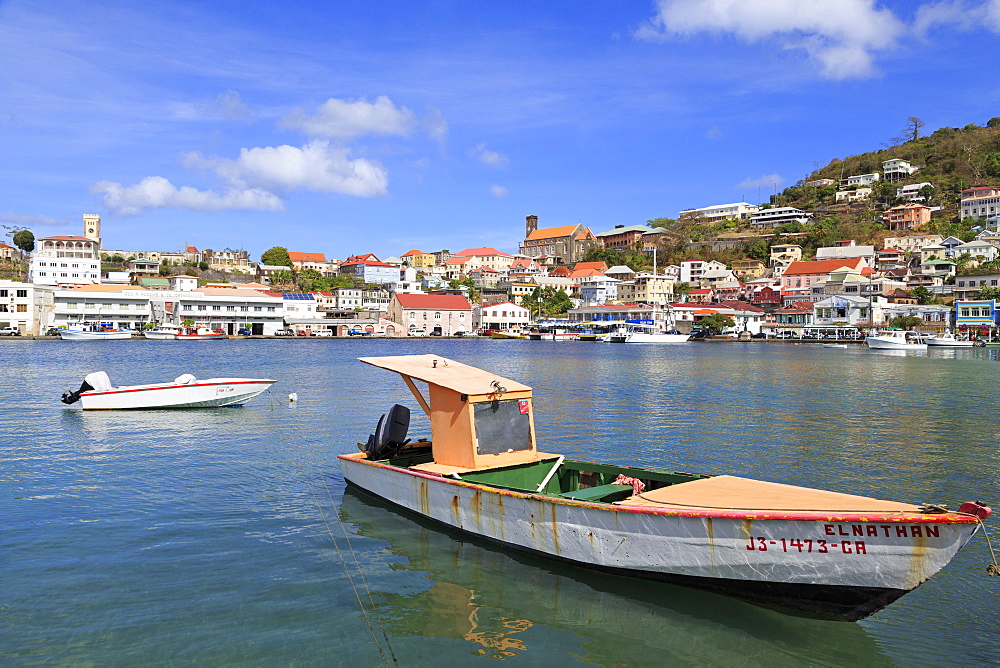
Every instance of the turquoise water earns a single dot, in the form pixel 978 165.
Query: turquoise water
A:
pixel 225 536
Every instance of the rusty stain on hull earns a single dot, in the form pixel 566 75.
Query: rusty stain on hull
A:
pixel 917 573
pixel 555 529
pixel 710 533
pixel 477 509
pixel 456 511
pixel 425 502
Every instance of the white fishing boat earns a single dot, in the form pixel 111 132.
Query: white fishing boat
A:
pixel 892 339
pixel 163 332
pixel 186 391
pixel 805 551
pixel 199 333
pixel 948 340
pixel 93 331
pixel 650 334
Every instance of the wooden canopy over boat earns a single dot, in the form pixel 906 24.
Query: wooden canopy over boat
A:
pixel 478 419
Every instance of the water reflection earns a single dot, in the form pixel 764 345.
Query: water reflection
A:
pixel 506 604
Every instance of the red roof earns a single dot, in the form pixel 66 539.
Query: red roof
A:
pixel 599 266
pixel 481 251
pixel 367 263
pixel 700 291
pixel 561 270
pixel 69 238
pixel 191 249
pixel 306 257
pixel 436 302
pixel 806 267
pixel 414 252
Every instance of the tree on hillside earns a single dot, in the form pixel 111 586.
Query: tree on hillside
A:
pixel 989 292
pixel 913 127
pixel 922 294
pixel 282 277
pixel 25 240
pixel 277 256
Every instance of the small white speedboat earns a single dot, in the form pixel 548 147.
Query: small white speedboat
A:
pixel 163 332
pixel 948 340
pixel 186 391
pixel 895 340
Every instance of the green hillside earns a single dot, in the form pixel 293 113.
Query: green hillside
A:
pixel 951 159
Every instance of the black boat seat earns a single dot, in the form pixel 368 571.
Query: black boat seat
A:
pixel 599 493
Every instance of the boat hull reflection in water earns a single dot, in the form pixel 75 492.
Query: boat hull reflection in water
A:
pixel 507 604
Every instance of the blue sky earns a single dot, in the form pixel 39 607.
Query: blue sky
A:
pixel 382 127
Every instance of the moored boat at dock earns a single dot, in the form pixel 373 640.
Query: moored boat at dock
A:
pixel 892 339
pixel 801 550
pixel 94 331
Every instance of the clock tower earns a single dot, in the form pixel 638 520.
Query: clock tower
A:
pixel 92 227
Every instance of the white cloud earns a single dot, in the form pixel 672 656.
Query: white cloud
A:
pixel 156 192
pixel 958 13
pixel 714 132
pixel 227 105
pixel 317 166
pixel 256 180
pixel 842 38
pixel 345 119
pixel 765 181
pixel 488 157
pixel 27 220
pixel 499 192
pixel 435 124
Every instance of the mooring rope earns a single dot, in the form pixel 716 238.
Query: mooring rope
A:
pixel 350 578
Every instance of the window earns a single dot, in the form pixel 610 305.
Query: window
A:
pixel 202 307
pixel 216 308
pixel 90 305
pixel 186 307
pixel 3 293
pixel 270 309
pixel 258 308
pixel 123 307
pixel 22 293
pixel 22 308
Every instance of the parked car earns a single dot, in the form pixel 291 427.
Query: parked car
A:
pixel 418 332
pixel 243 331
pixel 785 335
pixel 699 335
pixel 285 332
pixel 10 331
pixel 323 332
pixel 758 335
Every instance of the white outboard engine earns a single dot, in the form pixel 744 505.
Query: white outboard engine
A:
pixel 92 381
pixel 390 433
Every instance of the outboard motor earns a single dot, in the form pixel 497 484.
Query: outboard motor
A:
pixel 390 434
pixel 70 397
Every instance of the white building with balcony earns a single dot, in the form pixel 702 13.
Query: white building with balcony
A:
pixel 897 170
pixel 911 192
pixel 737 211
pixel 66 260
pixel 778 216
pixel 860 180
